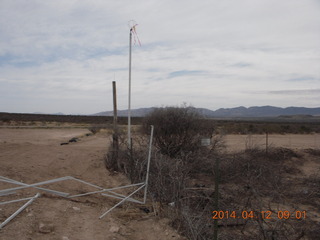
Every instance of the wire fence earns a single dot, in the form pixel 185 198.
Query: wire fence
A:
pixel 292 141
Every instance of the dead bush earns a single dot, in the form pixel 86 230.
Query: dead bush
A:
pixel 250 169
pixel 251 180
pixel 312 151
pixel 273 153
pixel 117 155
pixel 195 215
pixel 95 129
pixel 310 191
pixel 167 179
pixel 177 130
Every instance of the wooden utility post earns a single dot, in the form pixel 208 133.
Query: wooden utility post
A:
pixel 115 143
pixel 267 142
pixel 115 113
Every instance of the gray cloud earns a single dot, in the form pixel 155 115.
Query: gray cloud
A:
pixel 296 92
pixel 209 53
pixel 241 65
pixel 185 73
pixel 303 78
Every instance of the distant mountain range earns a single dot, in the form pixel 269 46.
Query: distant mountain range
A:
pixel 264 111
pixel 58 113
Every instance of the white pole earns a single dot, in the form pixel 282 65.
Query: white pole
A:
pixel 126 198
pixel 129 98
pixel 19 210
pixel 148 166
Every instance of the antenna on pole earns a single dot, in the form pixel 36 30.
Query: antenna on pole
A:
pixel 132 25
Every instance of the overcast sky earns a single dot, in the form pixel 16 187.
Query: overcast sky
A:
pixel 62 56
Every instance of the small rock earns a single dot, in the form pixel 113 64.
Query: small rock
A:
pixel 74 139
pixel 305 191
pixel 146 210
pixel 46 227
pixel 114 229
pixel 76 208
pixel 65 238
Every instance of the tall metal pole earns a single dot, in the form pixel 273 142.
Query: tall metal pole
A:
pixel 129 98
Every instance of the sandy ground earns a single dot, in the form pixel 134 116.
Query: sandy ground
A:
pixel 34 155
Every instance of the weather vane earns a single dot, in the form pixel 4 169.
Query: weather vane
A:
pixel 132 25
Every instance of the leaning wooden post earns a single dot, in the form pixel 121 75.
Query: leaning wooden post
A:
pixel 115 143
pixel 267 142
pixel 115 114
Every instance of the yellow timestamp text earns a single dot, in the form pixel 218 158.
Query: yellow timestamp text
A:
pixel 259 215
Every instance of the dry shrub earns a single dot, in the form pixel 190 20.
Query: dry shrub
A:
pixel 251 180
pixel 177 130
pixel 191 210
pixel 117 154
pixel 273 153
pixel 95 129
pixel 194 218
pixel 310 190
pixel 167 179
pixel 312 151
pixel 254 180
pixel 255 167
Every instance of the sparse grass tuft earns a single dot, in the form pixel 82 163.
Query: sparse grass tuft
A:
pixel 95 129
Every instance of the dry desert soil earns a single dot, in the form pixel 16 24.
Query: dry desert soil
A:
pixel 35 155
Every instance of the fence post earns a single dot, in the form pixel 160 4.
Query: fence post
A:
pixel 115 142
pixel 267 142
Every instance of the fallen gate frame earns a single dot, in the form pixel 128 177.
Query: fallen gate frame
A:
pixel 107 192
